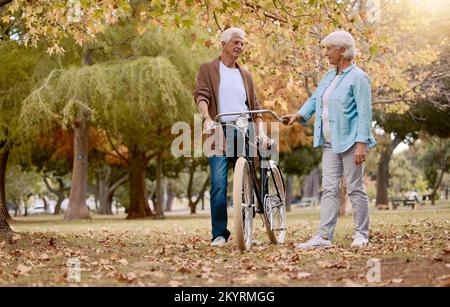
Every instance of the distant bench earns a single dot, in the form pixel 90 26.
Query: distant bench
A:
pixel 397 201
pixel 307 201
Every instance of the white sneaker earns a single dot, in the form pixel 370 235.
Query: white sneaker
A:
pixel 219 241
pixel 314 242
pixel 359 240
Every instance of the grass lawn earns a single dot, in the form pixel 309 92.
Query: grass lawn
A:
pixel 412 247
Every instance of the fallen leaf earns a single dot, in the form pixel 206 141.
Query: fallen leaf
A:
pixel 44 257
pixel 128 277
pixel 437 258
pixel 15 237
pixel 22 269
pixel 351 283
pixel 123 261
pixel 174 283
pixel 303 275
pixel 397 281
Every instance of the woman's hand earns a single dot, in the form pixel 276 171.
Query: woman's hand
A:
pixel 360 153
pixel 291 118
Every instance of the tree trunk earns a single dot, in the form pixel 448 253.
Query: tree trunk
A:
pixel 4 226
pixel 382 201
pixel 44 199
pixel 59 193
pixel 193 203
pixel 159 213
pixel 77 208
pixel 58 206
pixel 3 163
pixel 436 187
pixel 138 193
pixel 290 179
pixel 103 182
pixel 16 209
pixel 106 188
pixel 170 196
pixel 193 207
pixel 104 198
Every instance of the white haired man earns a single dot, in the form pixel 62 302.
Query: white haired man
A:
pixel 342 104
pixel 224 86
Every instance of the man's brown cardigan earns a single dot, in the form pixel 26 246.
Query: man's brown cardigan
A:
pixel 207 88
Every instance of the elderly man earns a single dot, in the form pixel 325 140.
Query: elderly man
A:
pixel 342 104
pixel 224 86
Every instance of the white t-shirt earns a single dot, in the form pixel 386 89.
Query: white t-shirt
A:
pixel 232 94
pixel 325 114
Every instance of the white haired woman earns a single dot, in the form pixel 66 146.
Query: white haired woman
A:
pixel 342 104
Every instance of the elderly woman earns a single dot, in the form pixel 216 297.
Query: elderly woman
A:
pixel 342 104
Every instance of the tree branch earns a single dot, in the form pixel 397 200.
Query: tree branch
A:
pixel 266 14
pixel 118 183
pixel 115 149
pixel 217 22
pixel 48 185
pixel 202 191
pixel 4 2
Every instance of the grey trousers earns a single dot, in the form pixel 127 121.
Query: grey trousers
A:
pixel 333 167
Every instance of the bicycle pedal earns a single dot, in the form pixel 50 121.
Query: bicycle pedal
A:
pixel 279 229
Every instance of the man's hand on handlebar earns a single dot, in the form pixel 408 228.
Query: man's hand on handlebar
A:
pixel 209 125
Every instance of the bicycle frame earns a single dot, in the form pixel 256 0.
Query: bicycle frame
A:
pixel 264 162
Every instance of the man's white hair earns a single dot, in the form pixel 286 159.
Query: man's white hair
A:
pixel 230 32
pixel 342 39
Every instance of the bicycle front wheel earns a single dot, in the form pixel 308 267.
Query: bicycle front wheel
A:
pixel 275 206
pixel 242 202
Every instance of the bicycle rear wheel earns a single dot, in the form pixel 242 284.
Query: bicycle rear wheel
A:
pixel 275 206
pixel 242 202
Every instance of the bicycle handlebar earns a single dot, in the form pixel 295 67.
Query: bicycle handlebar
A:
pixel 248 112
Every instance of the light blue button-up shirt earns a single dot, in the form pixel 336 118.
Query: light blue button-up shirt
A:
pixel 349 107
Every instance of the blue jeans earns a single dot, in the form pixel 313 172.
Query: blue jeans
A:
pixel 219 184
pixel 218 196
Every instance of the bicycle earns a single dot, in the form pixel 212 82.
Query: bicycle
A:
pixel 268 200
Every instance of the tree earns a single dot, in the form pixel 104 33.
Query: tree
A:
pixel 16 80
pixel 109 174
pixel 435 161
pixel 197 181
pixel 141 118
pixel 300 161
pixel 21 185
pixel 51 156
pixel 162 108
pixel 57 103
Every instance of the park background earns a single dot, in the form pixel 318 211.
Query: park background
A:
pixel 89 91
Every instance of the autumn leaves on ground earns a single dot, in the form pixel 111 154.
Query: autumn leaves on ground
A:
pixel 411 247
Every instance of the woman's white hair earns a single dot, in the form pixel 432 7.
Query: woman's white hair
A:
pixel 230 32
pixel 342 39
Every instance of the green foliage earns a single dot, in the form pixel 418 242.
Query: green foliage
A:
pixel 175 45
pixel 21 184
pixel 405 175
pixel 136 100
pixel 434 158
pixel 16 81
pixel 300 161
